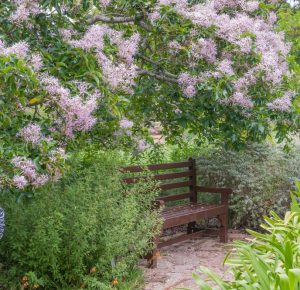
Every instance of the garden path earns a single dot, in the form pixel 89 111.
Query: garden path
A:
pixel 177 262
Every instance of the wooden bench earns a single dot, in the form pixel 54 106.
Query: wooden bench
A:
pixel 188 213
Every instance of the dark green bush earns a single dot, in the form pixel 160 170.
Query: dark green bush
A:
pixel 81 232
pixel 261 177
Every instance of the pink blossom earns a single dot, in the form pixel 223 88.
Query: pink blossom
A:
pixel 22 162
pixel 31 133
pixel 282 104
pixel 128 48
pixel 119 75
pixel 67 33
pixel 76 112
pixel 251 6
pixel 104 3
pixel 40 180
pixel 225 66
pixel 272 18
pixel 126 124
pixel 29 172
pixel 36 61
pixel 20 182
pixel 175 46
pixel 25 8
pixel 153 16
pixel 142 145
pixel 20 49
pixel 190 91
pixel 82 87
pixel 245 44
pixel 187 84
pixel 205 48
pixel 239 99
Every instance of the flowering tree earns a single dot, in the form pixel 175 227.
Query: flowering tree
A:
pixel 70 69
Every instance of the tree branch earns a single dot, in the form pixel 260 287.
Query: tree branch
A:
pixel 115 19
pixel 168 77
pixel 145 26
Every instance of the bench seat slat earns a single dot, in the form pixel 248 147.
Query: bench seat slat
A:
pixel 184 217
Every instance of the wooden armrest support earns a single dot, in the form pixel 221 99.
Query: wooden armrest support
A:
pixel 224 192
pixel 158 203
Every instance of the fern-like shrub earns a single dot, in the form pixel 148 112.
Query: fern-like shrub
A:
pixel 86 231
pixel 271 260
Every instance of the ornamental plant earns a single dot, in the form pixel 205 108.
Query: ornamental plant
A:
pixel 270 260
pixel 97 71
pixel 82 232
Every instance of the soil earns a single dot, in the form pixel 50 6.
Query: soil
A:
pixel 177 262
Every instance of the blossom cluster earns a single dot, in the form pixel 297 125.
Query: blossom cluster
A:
pixel 31 134
pixel 71 114
pixel 118 74
pixel 104 3
pixel 283 103
pixel 25 8
pixel 28 173
pixel 239 28
pixel 77 113
pixel 19 49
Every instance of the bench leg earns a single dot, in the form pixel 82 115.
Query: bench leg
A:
pixel 224 228
pixel 152 259
pixel 153 256
pixel 191 227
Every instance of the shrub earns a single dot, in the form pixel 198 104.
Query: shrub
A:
pixel 81 232
pixel 261 177
pixel 270 261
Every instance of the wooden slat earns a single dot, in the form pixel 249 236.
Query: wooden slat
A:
pixel 175 185
pixel 156 166
pixel 183 210
pixel 213 190
pixel 175 175
pixel 184 218
pixel 175 197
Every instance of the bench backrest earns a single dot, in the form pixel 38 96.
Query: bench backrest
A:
pixel 184 178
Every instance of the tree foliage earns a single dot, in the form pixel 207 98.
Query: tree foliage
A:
pixel 70 70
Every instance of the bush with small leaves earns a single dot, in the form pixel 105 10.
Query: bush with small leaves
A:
pixel 86 229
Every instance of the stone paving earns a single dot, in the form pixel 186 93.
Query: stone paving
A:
pixel 179 261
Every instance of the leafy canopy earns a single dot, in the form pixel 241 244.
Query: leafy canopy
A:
pixel 81 71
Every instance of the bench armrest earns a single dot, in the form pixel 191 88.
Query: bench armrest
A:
pixel 224 192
